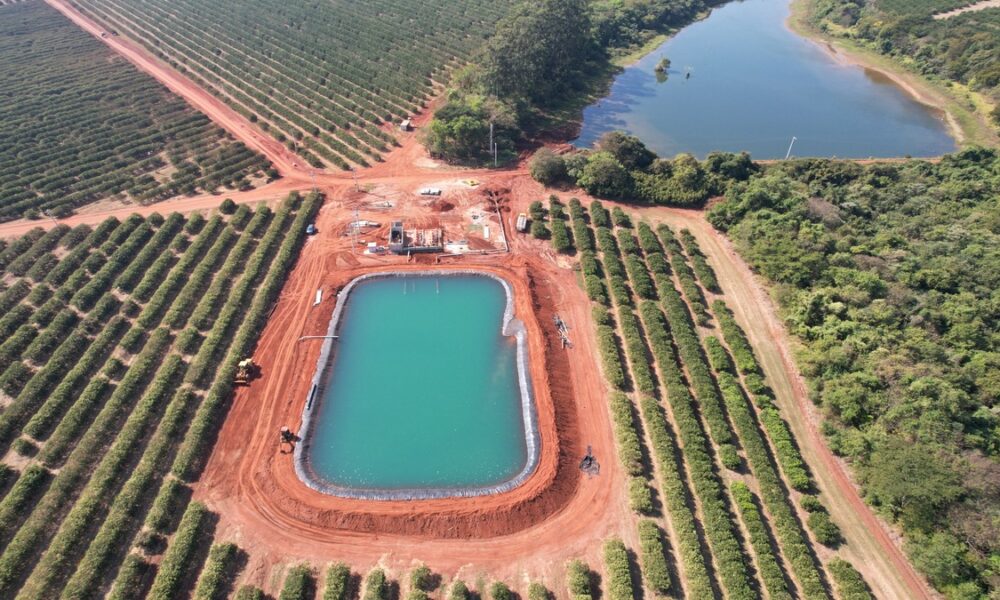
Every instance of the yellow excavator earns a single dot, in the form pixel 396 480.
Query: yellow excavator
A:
pixel 245 371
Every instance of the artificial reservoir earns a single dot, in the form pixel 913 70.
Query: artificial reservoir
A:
pixel 423 394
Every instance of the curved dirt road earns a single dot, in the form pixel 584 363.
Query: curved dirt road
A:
pixel 871 546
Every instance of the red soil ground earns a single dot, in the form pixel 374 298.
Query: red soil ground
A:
pixel 557 514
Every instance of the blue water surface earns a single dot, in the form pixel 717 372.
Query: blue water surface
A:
pixel 753 84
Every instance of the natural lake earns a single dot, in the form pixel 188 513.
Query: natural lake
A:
pixel 741 80
pixel 422 392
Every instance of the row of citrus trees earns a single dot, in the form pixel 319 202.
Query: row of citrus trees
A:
pixel 113 432
pixel 80 126
pixel 324 94
pixel 693 396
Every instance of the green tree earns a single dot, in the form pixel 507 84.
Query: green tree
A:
pixel 605 176
pixel 912 481
pixel 628 149
pixel 536 51
pixel 547 167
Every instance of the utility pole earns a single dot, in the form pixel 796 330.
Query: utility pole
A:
pixel 355 229
pixel 789 153
pixel 492 145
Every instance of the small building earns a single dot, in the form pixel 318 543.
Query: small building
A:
pixel 522 222
pixel 406 241
pixel 397 237
pixel 406 125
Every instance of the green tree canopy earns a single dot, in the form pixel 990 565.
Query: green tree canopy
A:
pixel 537 50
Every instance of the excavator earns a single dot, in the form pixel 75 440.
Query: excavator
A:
pixel 246 370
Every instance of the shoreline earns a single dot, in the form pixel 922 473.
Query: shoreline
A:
pixel 964 126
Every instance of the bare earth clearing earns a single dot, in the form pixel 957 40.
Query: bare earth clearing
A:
pixel 559 513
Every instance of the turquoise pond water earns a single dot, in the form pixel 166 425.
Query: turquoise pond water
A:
pixel 753 85
pixel 423 389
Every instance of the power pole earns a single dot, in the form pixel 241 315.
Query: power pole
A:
pixel 355 229
pixel 789 153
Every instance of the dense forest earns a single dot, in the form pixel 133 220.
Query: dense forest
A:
pixel 888 275
pixel 962 49
pixel 543 56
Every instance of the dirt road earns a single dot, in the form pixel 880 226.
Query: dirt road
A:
pixel 871 546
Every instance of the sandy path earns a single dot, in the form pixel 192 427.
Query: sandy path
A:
pixel 871 546
pixel 970 8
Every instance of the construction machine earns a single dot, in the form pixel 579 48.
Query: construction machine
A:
pixel 245 371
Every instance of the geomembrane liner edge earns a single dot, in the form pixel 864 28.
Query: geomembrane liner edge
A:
pixel 511 326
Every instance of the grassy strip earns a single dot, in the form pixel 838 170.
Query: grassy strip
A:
pixel 653 551
pixel 717 521
pixel 629 445
pixel 793 541
pixel 300 584
pixel 58 560
pixel 850 584
pixel 500 591
pixel 704 271
pixel 133 579
pixel 338 578
pixel 696 582
pixel 578 580
pixel 788 455
pixel 689 284
pixel 34 534
pixel 192 453
pixel 16 504
pixel 249 592
pixel 178 561
pixel 215 578
pixel 376 585
pixel 537 591
pixel 619 574
pixel 768 563
pixel 689 350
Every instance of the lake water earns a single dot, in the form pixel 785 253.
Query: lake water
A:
pixel 753 85
pixel 423 390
